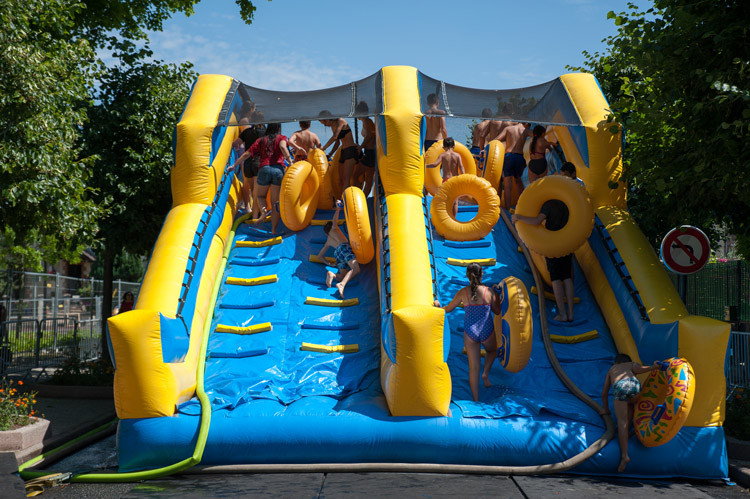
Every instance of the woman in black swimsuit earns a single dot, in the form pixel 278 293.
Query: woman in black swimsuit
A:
pixel 342 136
pixel 538 162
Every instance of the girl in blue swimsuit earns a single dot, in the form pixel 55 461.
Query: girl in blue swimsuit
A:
pixel 481 304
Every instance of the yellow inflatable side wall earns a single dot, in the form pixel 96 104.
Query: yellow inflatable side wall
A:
pixel 418 383
pixel 702 341
pixel 145 385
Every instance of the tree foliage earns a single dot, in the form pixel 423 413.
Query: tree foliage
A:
pixel 45 76
pixel 130 134
pixel 677 76
pixel 49 74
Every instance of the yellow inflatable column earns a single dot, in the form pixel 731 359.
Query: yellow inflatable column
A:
pixel 418 383
pixel 146 383
pixel 602 176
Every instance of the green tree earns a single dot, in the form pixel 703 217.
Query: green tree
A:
pixel 677 78
pixel 45 76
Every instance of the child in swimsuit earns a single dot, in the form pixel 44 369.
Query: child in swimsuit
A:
pixel 625 389
pixel 481 304
pixel 346 262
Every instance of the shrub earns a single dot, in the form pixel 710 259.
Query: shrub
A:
pixel 737 423
pixel 16 408
pixel 97 372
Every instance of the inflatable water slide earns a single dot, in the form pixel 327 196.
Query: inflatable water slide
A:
pixel 239 356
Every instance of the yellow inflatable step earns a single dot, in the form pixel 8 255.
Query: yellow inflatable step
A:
pixel 255 328
pixel 239 281
pixel 482 351
pixel 312 347
pixel 328 260
pixel 253 220
pixel 323 222
pixel 574 339
pixel 258 244
pixel 550 296
pixel 485 262
pixel 325 302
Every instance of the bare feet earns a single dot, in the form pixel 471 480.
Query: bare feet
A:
pixel 623 462
pixel 561 318
pixel 486 380
pixel 340 287
pixel 261 217
pixel 570 319
pixel 329 278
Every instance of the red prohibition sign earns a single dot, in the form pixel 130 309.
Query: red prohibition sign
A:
pixel 685 250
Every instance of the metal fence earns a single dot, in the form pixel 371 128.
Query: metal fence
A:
pixel 721 290
pixel 738 360
pixel 28 344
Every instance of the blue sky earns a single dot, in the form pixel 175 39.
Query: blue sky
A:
pixel 306 45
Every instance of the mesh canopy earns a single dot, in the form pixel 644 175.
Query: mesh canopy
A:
pixel 359 98
pixel 547 103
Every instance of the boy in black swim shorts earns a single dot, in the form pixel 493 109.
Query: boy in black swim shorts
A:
pixel 554 214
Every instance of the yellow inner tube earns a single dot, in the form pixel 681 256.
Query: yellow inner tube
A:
pixel 432 176
pixel 493 163
pixel 664 403
pixel 441 210
pixel 358 225
pixel 299 195
pixel 317 158
pixel 561 242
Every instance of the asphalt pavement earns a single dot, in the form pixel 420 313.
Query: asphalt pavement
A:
pixel 71 418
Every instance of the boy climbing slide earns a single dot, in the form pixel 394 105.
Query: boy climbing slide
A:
pixel 346 262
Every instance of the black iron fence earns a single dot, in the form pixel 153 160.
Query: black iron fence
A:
pixel 27 344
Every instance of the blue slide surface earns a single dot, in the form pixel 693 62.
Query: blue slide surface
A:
pixel 274 403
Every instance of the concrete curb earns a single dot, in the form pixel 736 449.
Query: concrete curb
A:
pixel 739 472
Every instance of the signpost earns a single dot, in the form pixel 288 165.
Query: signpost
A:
pixel 685 250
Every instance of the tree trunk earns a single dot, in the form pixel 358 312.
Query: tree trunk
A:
pixel 109 259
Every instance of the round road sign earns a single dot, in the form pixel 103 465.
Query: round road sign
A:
pixel 685 250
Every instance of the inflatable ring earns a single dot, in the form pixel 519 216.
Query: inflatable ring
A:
pixel 561 242
pixel 432 176
pixel 300 190
pixel 664 403
pixel 441 209
pixel 493 163
pixel 335 175
pixel 358 224
pixel 317 158
pixel 513 327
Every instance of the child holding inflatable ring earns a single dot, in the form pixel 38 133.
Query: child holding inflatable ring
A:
pixel 480 303
pixel 625 390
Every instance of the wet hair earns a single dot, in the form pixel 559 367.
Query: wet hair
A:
pixel 327 227
pixel 304 124
pixel 362 108
pixel 569 167
pixel 432 99
pixel 486 113
pixel 272 131
pixel 448 142
pixel 538 131
pixel 621 358
pixel 474 273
